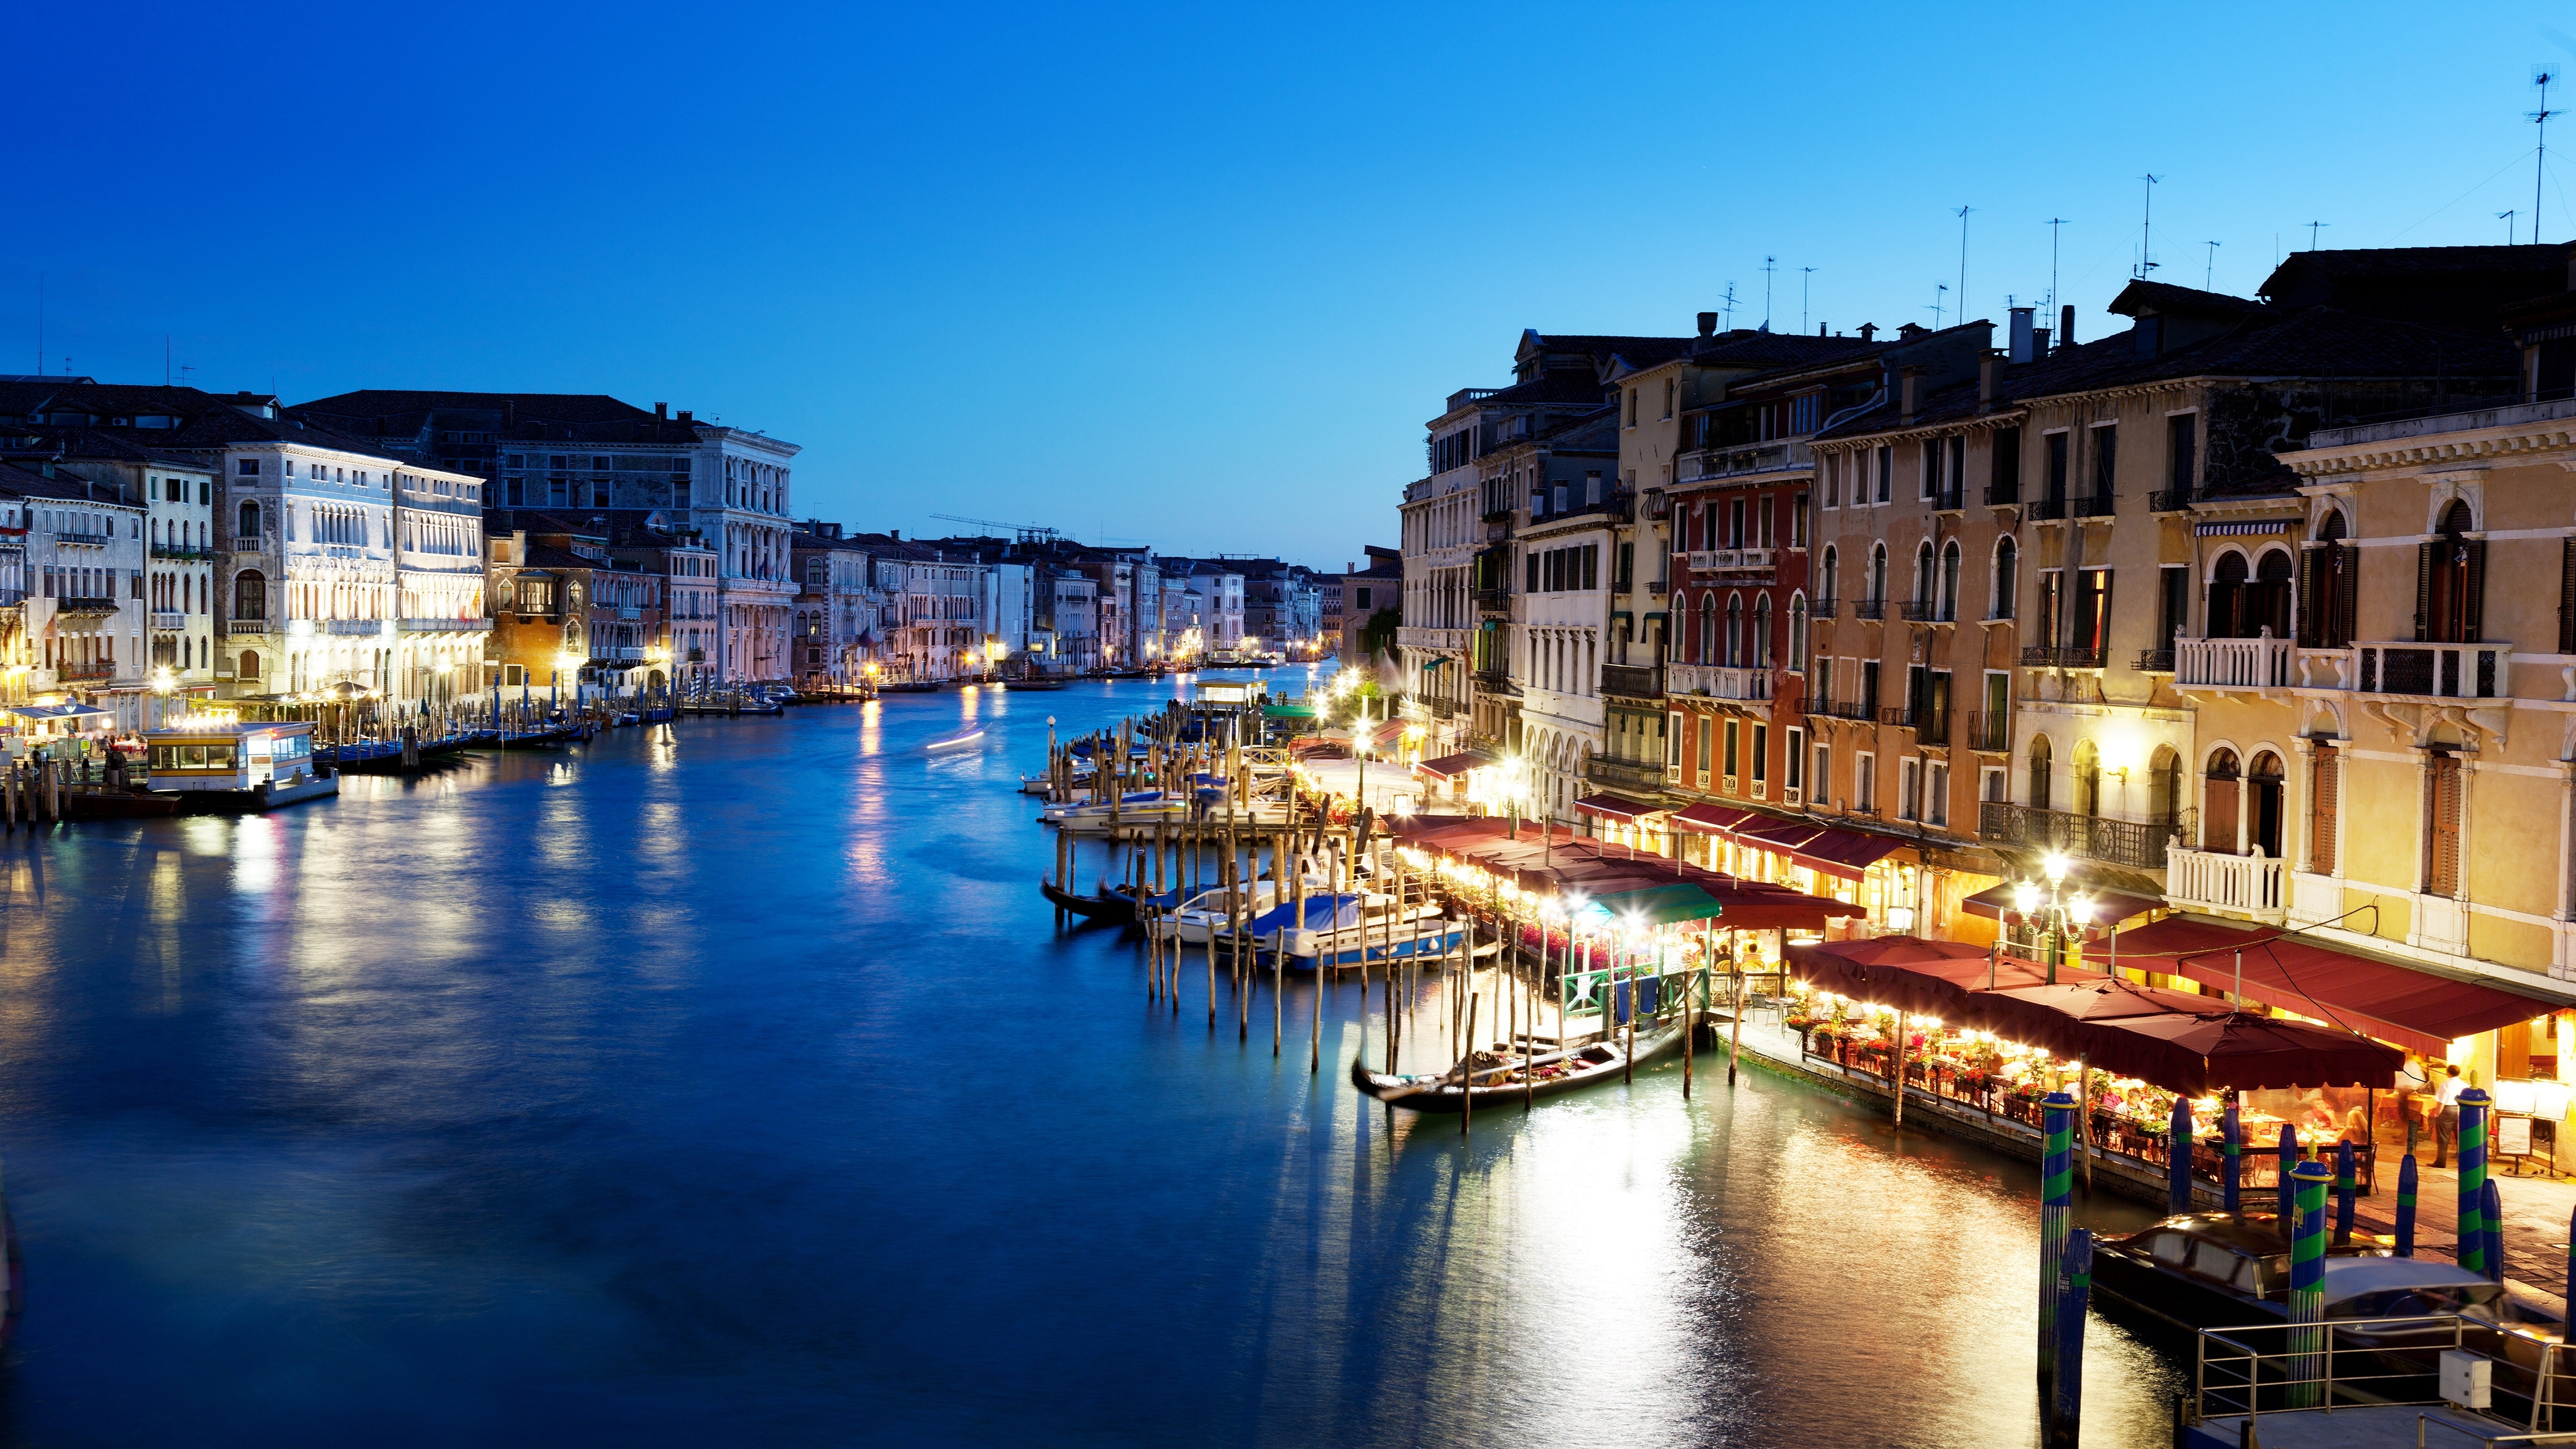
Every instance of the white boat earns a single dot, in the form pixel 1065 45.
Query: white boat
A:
pixel 1347 930
pixel 958 741
pixel 1140 805
pixel 1203 916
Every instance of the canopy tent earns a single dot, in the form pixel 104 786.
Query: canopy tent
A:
pixel 2109 907
pixel 1845 853
pixel 2056 1016
pixel 1616 807
pixel 2235 1051
pixel 1668 904
pixel 1909 973
pixel 1452 767
pixel 1706 819
pixel 1387 734
pixel 2414 1009
pixel 58 712
pixel 1557 861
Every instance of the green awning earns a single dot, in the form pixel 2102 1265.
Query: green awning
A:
pixel 1287 711
pixel 1663 905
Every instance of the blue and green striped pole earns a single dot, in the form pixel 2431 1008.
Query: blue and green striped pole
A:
pixel 2344 1189
pixel 2494 1220
pixel 2178 1158
pixel 2308 1286
pixel 2406 1210
pixel 2473 1180
pixel 2074 1288
pixel 2283 1209
pixel 2231 1147
pixel 2056 1208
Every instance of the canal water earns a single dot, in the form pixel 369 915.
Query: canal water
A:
pixel 724 1083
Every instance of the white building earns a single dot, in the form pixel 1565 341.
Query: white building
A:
pixel 85 603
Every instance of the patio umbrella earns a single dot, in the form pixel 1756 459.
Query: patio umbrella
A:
pixel 1935 978
pixel 2059 1017
pixel 2195 1055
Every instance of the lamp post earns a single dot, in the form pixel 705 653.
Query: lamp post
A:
pixel 2062 913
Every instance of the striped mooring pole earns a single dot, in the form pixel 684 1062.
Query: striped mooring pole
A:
pixel 2231 1147
pixel 2056 1207
pixel 2074 1289
pixel 2345 1187
pixel 2493 1219
pixel 2473 1180
pixel 2308 1287
pixel 2178 1158
pixel 2284 1209
pixel 2406 1210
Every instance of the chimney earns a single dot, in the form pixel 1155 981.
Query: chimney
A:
pixel 2020 334
pixel 1990 378
pixel 893 533
pixel 662 411
pixel 1909 384
pixel 1352 568
pixel 687 416
pixel 2066 325
pixel 1868 331
pixel 1707 323
pixel 2038 342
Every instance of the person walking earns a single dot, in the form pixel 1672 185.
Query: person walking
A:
pixel 2446 1116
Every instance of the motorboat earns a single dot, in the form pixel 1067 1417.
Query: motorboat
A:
pixel 1351 929
pixel 2208 1270
pixel 956 741
pixel 1139 805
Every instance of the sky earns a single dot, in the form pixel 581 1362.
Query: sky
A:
pixel 1195 277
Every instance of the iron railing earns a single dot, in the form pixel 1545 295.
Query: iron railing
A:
pixel 2135 843
pixel 2169 500
pixel 1869 608
pixel 1636 681
pixel 1989 732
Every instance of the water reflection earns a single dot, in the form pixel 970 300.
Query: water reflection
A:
pixel 724 1081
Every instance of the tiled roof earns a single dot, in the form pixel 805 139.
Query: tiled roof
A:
pixel 371 404
pixel 1640 351
pixel 17 482
pixel 2145 296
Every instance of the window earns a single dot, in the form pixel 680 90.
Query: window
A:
pixel 2182 437
pixel 2003 467
pixel 2040 773
pixel 1734 741
pixel 1869 689
pixel 1797 661
pixel 2450 582
pixel 1886 472
pixel 1706 726
pixel 2106 452
pixel 1668 399
pixel 2173 612
pixel 1949 599
pixel 1936 793
pixel 248 467
pixel 1931 469
pixel 1798 521
pixel 250 597
pixel 2092 610
pixel 1865 784
pixel 1761 761
pixel 1632 407
pixel 2331 573
pixel 1832 581
pixel 1796 758
pixel 2443 784
pixel 1820 772
pixel 1909 789
pixel 1878 573
pixel 2057 467
pixel 246 524
pixel 2325 808
pixel 2007 570
pixel 1834 465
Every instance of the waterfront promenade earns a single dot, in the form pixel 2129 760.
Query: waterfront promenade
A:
pixel 727 1083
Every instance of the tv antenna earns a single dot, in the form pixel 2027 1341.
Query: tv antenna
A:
pixel 2209 265
pixel 1729 307
pixel 1805 275
pixel 2313 228
pixel 2054 223
pixel 1962 214
pixel 1025 532
pixel 2507 218
pixel 1940 291
pixel 2541 76
pixel 2146 225
pixel 1770 265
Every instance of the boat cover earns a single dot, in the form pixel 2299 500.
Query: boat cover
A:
pixel 1322 913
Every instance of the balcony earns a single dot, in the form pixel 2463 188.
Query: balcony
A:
pixel 1927 611
pixel 1952 499
pixel 1718 681
pixel 2255 887
pixel 1932 727
pixel 442 626
pixel 1495 681
pixel 2061 656
pixel 2140 845
pixel 1659 504
pixel 2047 510
pixel 2259 663
pixel 1493 601
pixel 1659 588
pixel 697 656
pixel 355 628
pixel 2003 495
pixel 180 551
pixel 1734 560
pixel 2155 661
pixel 169 619
pixel 2432 671
pixel 2099 505
pixel 84 671
pixel 2003 615
pixel 1989 733
pixel 1824 608
pixel 2169 500
pixel 1634 681
pixel 86 540
pixel 241 628
pixel 1637 777
pixel 1746 461
pixel 1869 608
pixel 1841 709
pixel 84 606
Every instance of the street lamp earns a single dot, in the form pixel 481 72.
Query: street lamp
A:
pixel 2060 917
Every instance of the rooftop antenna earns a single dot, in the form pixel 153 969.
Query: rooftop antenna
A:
pixel 1769 266
pixel 40 324
pixel 1940 292
pixel 2312 232
pixel 1728 307
pixel 1805 274
pixel 2541 76
pixel 2054 223
pixel 1962 214
pixel 2146 223
pixel 2507 218
pixel 2208 266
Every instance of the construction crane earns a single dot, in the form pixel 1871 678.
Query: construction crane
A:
pixel 1025 532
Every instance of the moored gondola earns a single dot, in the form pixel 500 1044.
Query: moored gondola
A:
pixel 1497 1079
pixel 1107 908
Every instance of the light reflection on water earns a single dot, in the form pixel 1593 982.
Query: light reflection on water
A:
pixel 724 1083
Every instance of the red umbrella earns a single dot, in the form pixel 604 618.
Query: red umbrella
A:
pixel 2195 1054
pixel 1909 973
pixel 2059 1017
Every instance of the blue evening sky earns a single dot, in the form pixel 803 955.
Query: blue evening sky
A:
pixel 1194 276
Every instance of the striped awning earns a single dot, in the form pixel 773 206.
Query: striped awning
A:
pixel 2240 527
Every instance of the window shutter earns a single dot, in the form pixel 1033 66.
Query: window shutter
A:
pixel 2442 875
pixel 2347 589
pixel 2474 594
pixel 2218 815
pixel 2567 596
pixel 2310 616
pixel 2326 833
pixel 2424 590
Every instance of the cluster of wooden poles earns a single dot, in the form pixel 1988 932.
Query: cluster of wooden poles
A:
pixel 32 790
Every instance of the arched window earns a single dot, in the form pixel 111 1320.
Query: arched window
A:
pixel 1877 573
pixel 1734 658
pixel 2451 581
pixel 2263 804
pixel 1758 648
pixel 2164 786
pixel 1949 599
pixel 2267 598
pixel 2226 612
pixel 2218 797
pixel 2007 576
pixel 2086 777
pixel 246 522
pixel 2329 572
pixel 250 596
pixel 1923 573
pixel 250 664
pixel 1831 589
pixel 1798 631
pixel 2039 772
pixel 1708 628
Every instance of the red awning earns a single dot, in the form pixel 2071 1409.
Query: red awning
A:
pixel 1385 734
pixel 1617 807
pixel 2414 1009
pixel 1450 767
pixel 2109 907
pixel 1846 853
pixel 1780 837
pixel 1707 819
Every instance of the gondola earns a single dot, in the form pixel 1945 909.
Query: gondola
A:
pixel 1497 1077
pixel 1107 908
pixel 1023 686
pixel 909 686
